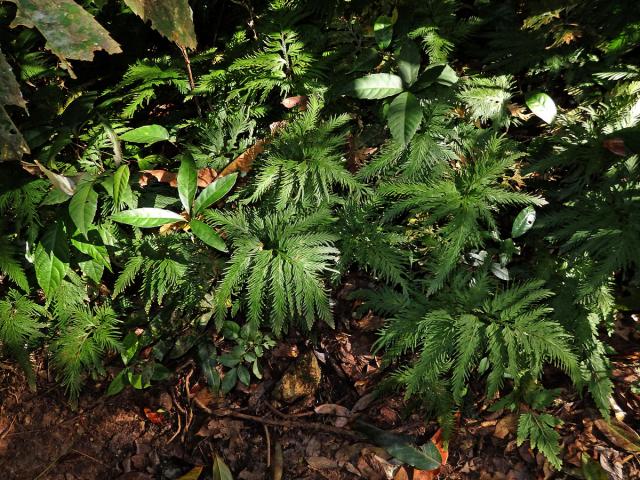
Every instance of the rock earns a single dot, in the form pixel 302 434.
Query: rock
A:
pixel 301 380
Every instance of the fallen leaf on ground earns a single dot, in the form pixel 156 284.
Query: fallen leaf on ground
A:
pixel 321 463
pixel 154 417
pixel 620 434
pixel 301 380
pixel 297 101
pixel 505 426
pixel 192 474
pixel 332 409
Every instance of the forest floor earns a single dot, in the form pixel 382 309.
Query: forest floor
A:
pixel 168 430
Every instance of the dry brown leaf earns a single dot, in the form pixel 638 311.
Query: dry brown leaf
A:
pixel 620 434
pixel 300 101
pixel 615 146
pixel 332 409
pixel 401 474
pixel 322 463
pixel 505 426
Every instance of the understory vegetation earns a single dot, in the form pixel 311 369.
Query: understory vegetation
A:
pixel 176 180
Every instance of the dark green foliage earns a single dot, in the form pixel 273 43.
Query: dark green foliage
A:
pixel 416 136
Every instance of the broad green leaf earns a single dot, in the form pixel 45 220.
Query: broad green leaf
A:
pixel 55 197
pixel 83 207
pixel 120 184
pixel 92 269
pixel 137 380
pixel 409 62
pixel 172 18
pixel 214 192
pixel 427 457
pixel 71 32
pixel 93 247
pixel 243 375
pixel 208 235
pixel 442 74
pixel 404 117
pixel 192 474
pixel 543 106
pixel 383 31
pixel 187 182
pixel 148 134
pixel 129 348
pixel 51 259
pixel 375 86
pixel 220 469
pixel 147 217
pixel 118 383
pixel 207 361
pixel 523 222
pixel 229 381
pixel 592 470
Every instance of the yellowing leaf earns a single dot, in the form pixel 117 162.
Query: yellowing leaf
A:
pixel 172 18
pixel 71 32
pixel 12 144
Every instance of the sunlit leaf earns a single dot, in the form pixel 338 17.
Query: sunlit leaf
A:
pixel 147 217
pixel 148 134
pixel 523 222
pixel 383 31
pixel 51 259
pixel 120 184
pixel 83 207
pixel 214 192
pixel 543 106
pixel 208 235
pixel 375 86
pixel 187 182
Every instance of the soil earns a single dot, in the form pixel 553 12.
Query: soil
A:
pixel 168 430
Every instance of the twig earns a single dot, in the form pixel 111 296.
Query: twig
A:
pixel 321 427
pixel 65 450
pixel 266 433
pixel 192 83
pixel 277 412
pixel 87 455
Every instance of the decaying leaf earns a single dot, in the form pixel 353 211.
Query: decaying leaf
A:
pixel 71 32
pixel 620 434
pixel 205 177
pixel 172 18
pixel 12 144
pixel 301 380
pixel 192 474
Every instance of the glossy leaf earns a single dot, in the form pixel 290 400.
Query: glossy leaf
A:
pixel 70 31
pixel 147 217
pixel 83 207
pixel 375 86
pixel 409 62
pixel 92 246
pixel 51 259
pixel 404 117
pixel 208 235
pixel 441 74
pixel 91 269
pixel 148 135
pixel 214 192
pixel 187 182
pixel 172 18
pixel 383 31
pixel 523 222
pixel 543 106
pixel 220 469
